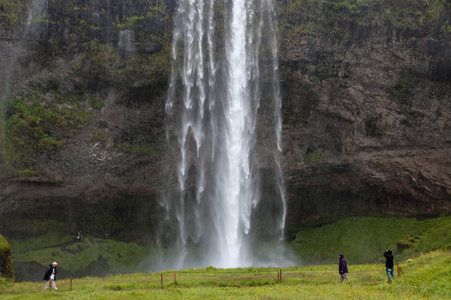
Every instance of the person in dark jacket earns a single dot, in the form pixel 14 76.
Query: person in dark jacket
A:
pixel 428 211
pixel 343 269
pixel 50 276
pixel 389 264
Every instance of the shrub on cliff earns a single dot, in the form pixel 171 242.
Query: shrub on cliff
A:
pixel 34 127
pixel 6 260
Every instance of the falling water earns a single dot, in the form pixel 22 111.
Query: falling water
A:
pixel 37 10
pixel 126 43
pixel 33 26
pixel 219 53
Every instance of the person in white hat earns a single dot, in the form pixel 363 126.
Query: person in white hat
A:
pixel 50 276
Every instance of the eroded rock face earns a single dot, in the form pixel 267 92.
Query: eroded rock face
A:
pixel 367 128
pixel 373 135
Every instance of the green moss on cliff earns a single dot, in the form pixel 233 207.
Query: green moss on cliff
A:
pixel 334 19
pixel 322 17
pixel 12 14
pixel 108 66
pixel 74 24
pixel 35 126
pixel 138 149
pixel 6 261
pixel 350 22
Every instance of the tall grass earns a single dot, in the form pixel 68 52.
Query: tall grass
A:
pixel 364 239
pixel 361 239
pixel 427 276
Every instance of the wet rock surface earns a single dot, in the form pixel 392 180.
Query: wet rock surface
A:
pixel 367 128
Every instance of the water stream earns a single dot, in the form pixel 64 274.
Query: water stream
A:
pixel 33 26
pixel 219 52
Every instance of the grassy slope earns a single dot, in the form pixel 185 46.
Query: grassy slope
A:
pixel 361 239
pixel 75 256
pixel 428 276
pixel 4 245
pixel 364 239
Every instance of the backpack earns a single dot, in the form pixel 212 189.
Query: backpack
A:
pixel 46 274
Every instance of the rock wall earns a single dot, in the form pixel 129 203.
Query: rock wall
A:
pixel 366 109
pixel 367 119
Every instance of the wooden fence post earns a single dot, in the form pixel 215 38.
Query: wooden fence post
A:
pixel 161 280
pixel 71 283
pixel 175 279
pixel 399 270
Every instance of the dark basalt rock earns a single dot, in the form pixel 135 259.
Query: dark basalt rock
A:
pixel 366 124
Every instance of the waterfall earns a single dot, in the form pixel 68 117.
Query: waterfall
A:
pixel 33 26
pixel 126 43
pixel 218 55
pixel 37 9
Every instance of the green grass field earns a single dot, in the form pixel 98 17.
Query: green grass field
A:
pixel 365 239
pixel 74 256
pixel 428 276
pixel 362 239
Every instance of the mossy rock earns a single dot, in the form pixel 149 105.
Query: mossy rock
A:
pixel 6 260
pixel 404 244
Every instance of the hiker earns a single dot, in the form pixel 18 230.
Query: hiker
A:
pixel 428 211
pixel 343 268
pixel 50 276
pixel 79 236
pixel 389 264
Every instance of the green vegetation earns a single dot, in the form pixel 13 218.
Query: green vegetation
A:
pixel 6 262
pixel 364 239
pixel 426 277
pixel 371 126
pixel 12 14
pixel 313 156
pixel 37 227
pixel 4 246
pixel 326 18
pixel 35 126
pixel 414 14
pixel 361 239
pixel 95 103
pixel 401 92
pixel 147 149
pixel 87 22
pixel 100 136
pixel 76 256
pixel 106 65
pixel 351 23
pixel 54 238
pixel 335 18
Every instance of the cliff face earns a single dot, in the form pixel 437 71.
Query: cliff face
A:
pixel 366 107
